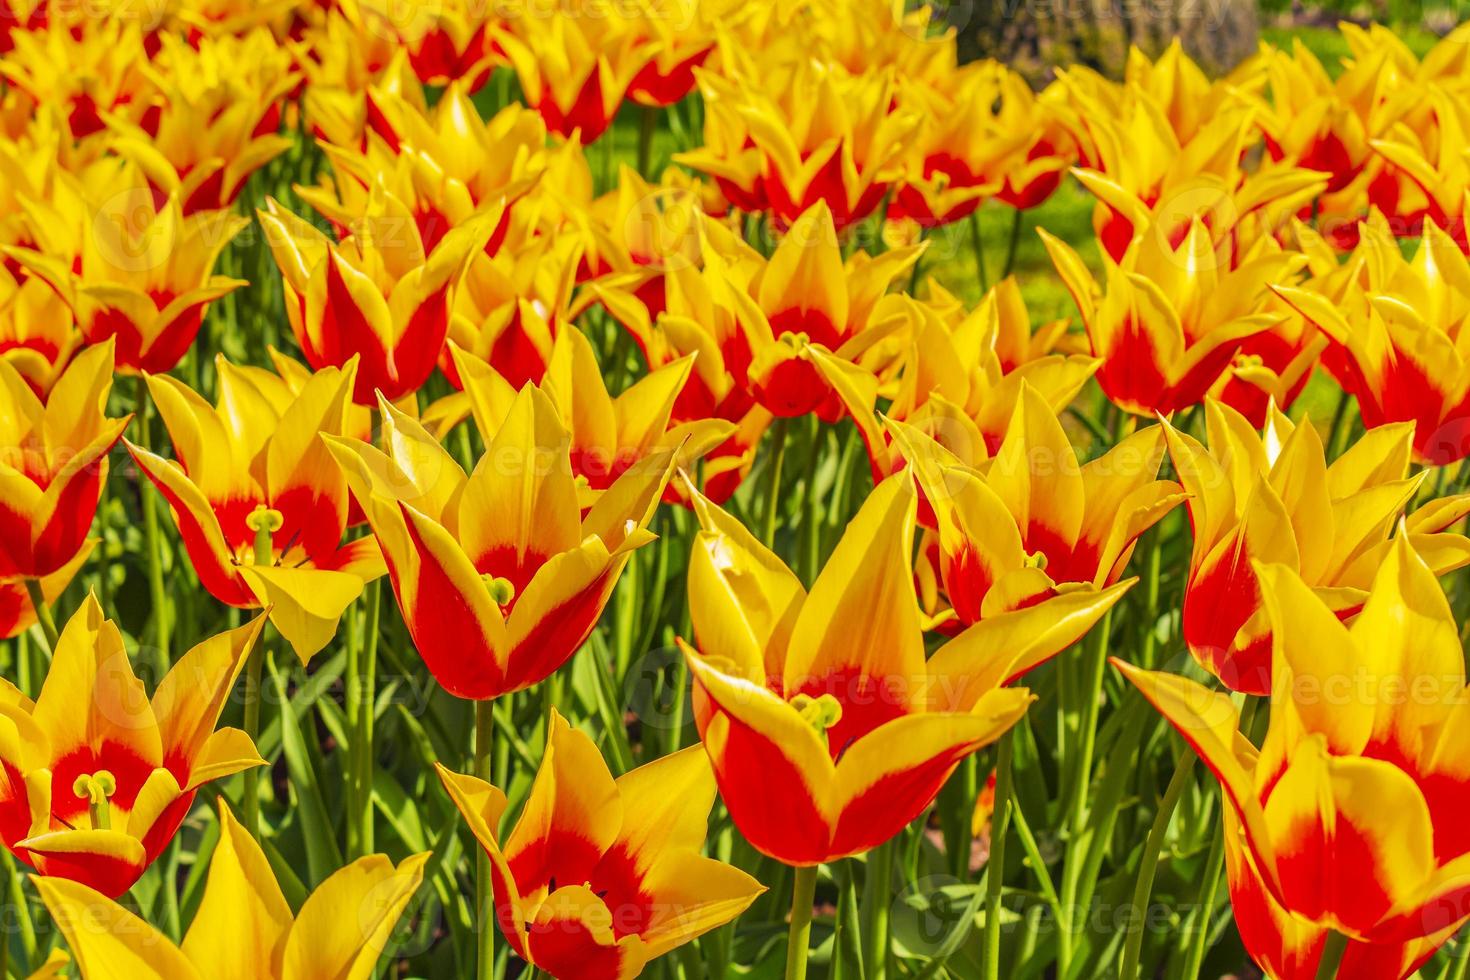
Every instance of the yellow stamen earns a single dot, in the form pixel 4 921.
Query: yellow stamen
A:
pixel 95 788
pixel 264 521
pixel 501 589
pixel 1036 560
pixel 820 712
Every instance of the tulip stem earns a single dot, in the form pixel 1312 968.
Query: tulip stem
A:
pixel 484 893
pixel 977 242
pixel 803 895
pixel 250 805
pixel 1332 951
pixel 647 125
pixel 877 895
pixel 43 613
pixel 366 685
pixel 1000 822
pixel 773 493
pixel 1144 883
pixel 1017 215
pixel 152 539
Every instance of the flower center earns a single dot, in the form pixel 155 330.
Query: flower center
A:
pixel 264 521
pixel 95 788
pixel 502 590
pixel 820 712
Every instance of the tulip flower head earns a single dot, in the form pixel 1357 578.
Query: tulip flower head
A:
pixel 499 575
pixel 144 274
pixel 1035 521
pixel 1272 497
pixel 1400 349
pixel 827 729
pixel 243 928
pixel 53 463
pixel 378 294
pixel 807 302
pixel 100 775
pixel 609 435
pixel 1170 315
pixel 251 472
pixel 600 876
pixel 1349 817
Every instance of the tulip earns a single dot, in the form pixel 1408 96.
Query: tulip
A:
pixel 813 134
pixel 217 124
pixel 1400 349
pixel 144 275
pixel 511 306
pixel 962 377
pixel 378 294
pixel 53 464
pixel 1435 161
pixel 100 776
pixel 499 576
pixel 253 466
pixel 682 35
pixel 808 302
pixel 1349 817
pixel 92 68
pixel 1170 316
pixel 601 876
pixel 575 68
pixel 443 166
pixel 609 436
pixel 827 729
pixel 1273 498
pixel 37 334
pixel 699 317
pixel 1036 521
pixel 243 928
pixel 975 145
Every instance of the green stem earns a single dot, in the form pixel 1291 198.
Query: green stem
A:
pixel 1096 665
pixel 1460 968
pixel 995 864
pixel 803 894
pixel 151 537
pixel 1342 427
pixel 877 896
pixel 366 684
pixel 1205 903
pixel 1143 885
pixel 250 805
pixel 647 125
pixel 773 491
pixel 43 612
pixel 484 893
pixel 1014 242
pixel 977 243
pixel 1332 952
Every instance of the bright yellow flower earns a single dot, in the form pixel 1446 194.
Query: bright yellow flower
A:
pixel 1350 816
pixel 600 876
pixel 243 928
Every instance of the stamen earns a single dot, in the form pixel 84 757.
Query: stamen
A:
pixel 95 788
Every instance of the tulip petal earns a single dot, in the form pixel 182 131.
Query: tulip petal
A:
pixel 108 940
pixel 345 924
pixel 305 603
pixel 243 918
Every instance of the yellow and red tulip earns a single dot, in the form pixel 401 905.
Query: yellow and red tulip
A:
pixel 962 377
pixel 53 463
pixel 1170 316
pixel 256 458
pixel 378 294
pixel 1272 497
pixel 144 275
pixel 1349 817
pixel 807 302
pixel 600 876
pixel 499 575
pixel 827 728
pixel 243 926
pixel 1035 520
pixel 1398 352
pixel 812 134
pixel 216 125
pixel 99 775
